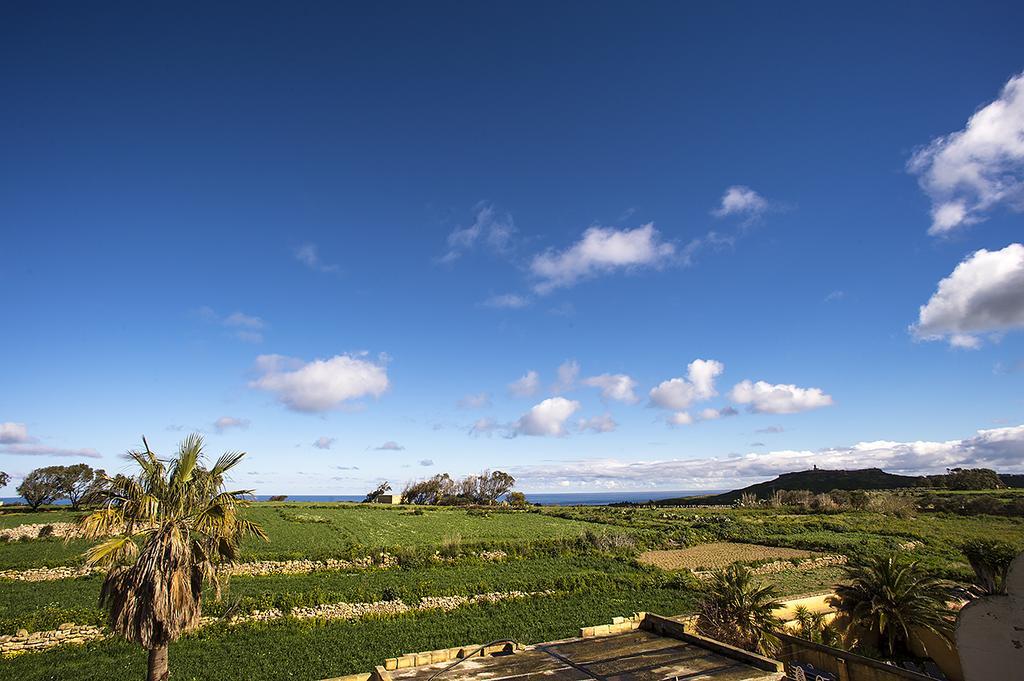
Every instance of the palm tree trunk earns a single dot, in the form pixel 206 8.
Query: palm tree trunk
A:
pixel 158 670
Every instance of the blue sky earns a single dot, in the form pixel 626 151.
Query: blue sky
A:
pixel 357 228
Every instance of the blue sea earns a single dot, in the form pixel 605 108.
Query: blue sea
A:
pixel 559 499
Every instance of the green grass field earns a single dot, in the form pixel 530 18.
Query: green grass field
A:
pixel 585 555
pixel 319 531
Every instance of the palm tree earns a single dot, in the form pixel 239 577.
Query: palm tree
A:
pixel 167 530
pixel 739 610
pixel 890 596
pixel 815 627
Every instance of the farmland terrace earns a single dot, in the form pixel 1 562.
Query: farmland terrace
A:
pixel 366 583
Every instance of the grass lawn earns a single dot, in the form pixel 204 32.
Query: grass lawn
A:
pixel 318 531
pixel 341 529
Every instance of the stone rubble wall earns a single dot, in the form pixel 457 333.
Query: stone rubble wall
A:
pixel 778 566
pixel 259 568
pixel 32 530
pixel 48 574
pixel 23 641
pixel 253 569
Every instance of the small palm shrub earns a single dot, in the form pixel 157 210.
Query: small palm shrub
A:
pixel 739 610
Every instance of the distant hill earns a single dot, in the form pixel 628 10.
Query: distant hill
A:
pixel 817 480
pixel 1015 480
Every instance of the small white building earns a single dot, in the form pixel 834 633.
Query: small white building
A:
pixel 389 499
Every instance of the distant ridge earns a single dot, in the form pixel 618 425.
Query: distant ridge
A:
pixel 815 480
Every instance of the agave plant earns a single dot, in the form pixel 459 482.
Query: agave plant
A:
pixel 740 610
pixel 167 531
pixel 890 596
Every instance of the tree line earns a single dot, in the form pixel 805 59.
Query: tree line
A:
pixel 76 483
pixel 484 489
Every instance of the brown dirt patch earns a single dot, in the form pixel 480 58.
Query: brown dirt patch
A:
pixel 718 555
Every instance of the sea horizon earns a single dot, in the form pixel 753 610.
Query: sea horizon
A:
pixel 541 498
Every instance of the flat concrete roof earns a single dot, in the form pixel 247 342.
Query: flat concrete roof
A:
pixel 640 654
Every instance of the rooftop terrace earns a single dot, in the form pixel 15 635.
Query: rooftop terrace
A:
pixel 651 648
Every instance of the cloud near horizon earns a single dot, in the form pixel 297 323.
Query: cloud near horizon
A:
pixel 43 450
pixel 14 433
pixel 322 384
pixel 16 441
pixel 1000 448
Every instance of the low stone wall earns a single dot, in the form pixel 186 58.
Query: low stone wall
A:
pixel 778 566
pixel 619 625
pixel 32 530
pixel 253 569
pixel 23 641
pixel 299 567
pixel 47 574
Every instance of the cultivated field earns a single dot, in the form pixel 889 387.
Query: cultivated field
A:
pixel 553 570
pixel 717 554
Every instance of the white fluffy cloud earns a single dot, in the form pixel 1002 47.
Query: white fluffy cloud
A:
pixel 984 294
pixel 390 446
pixel 969 172
pixel 227 422
pixel 740 200
pixel 13 433
pixel 680 393
pixel 680 418
pixel 782 398
pixel 599 424
pixel 1001 449
pixel 547 418
pixel 528 384
pixel 322 384
pixel 618 387
pixel 324 442
pixel 601 250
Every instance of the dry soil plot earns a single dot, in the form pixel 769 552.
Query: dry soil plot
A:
pixel 718 555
